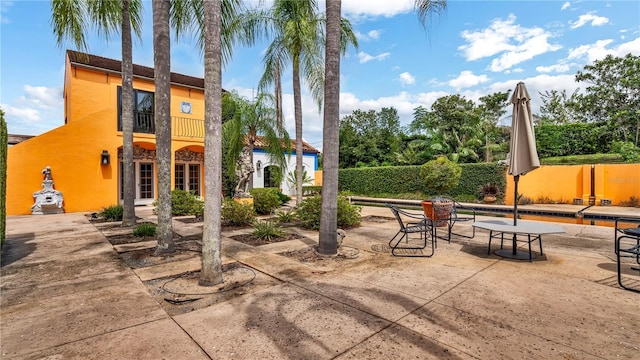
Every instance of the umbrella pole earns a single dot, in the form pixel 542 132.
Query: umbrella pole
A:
pixel 515 212
pixel 515 200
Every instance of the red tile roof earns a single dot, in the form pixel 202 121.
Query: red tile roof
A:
pixel 115 66
pixel 306 147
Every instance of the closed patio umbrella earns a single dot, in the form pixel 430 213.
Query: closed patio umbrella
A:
pixel 522 145
pixel 523 156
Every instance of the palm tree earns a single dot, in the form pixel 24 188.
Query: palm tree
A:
pixel 216 28
pixel 70 19
pixel 162 76
pixel 211 273
pixel 298 37
pixel 328 244
pixel 251 120
pixel 427 8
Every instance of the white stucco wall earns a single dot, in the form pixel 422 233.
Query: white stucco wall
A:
pixel 308 160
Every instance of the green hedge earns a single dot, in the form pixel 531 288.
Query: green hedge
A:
pixel 583 159
pixel 407 179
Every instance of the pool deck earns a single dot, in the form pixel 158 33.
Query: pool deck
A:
pixel 67 294
pixel 594 212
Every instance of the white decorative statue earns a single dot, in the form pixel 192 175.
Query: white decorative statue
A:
pixel 244 172
pixel 47 200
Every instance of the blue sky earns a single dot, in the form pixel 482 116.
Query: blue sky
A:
pixel 475 48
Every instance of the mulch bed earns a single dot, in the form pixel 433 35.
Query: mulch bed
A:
pixel 253 240
pixel 310 254
pixel 147 257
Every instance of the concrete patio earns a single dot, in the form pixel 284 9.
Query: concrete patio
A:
pixel 66 293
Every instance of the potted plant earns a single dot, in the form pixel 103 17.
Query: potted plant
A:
pixel 489 192
pixel 441 176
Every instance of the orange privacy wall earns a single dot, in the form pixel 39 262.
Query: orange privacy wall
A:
pixel 562 184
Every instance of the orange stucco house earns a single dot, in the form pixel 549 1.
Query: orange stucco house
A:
pixel 85 153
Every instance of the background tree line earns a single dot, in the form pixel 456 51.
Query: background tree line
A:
pixel 603 118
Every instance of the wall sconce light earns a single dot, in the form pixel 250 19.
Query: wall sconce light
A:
pixel 105 158
pixel 259 165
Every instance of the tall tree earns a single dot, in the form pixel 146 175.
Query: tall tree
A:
pixel 369 138
pixel 613 94
pixel 297 32
pixel 162 76
pixel 251 120
pixel 3 176
pixel 328 244
pixel 70 19
pixel 211 273
pixel 128 167
pixel 559 108
pixel 491 109
pixel 451 126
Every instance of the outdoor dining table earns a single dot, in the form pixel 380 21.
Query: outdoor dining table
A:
pixel 533 230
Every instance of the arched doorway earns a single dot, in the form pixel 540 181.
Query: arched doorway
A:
pixel 272 176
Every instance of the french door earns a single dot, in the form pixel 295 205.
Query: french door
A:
pixel 145 182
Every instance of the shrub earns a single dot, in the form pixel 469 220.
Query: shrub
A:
pixel 632 202
pixel 237 214
pixel 283 197
pixel 524 200
pixel 183 202
pixel 393 180
pixel 489 189
pixel 310 210
pixel 144 230
pixel 286 216
pixel 311 190
pixel 627 150
pixel 267 230
pixel 265 200
pixel 112 213
pixel 198 209
pixel 441 175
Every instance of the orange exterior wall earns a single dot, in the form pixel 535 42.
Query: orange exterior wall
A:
pixel 563 183
pixel 73 150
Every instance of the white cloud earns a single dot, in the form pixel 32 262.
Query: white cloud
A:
pixel 28 115
pixel 589 18
pixel 514 42
pixel 364 57
pixel 374 34
pixel 370 35
pixel 42 97
pixel 565 6
pixel 467 79
pixel 4 8
pixel 373 8
pixel 406 78
pixel 599 50
pixel 559 68
pixel 38 109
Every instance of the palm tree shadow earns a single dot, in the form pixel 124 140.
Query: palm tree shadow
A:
pixel 287 326
pixel 17 247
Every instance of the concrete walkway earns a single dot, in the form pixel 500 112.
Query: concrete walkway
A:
pixel 66 293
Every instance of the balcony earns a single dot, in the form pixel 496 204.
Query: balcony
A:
pixel 180 126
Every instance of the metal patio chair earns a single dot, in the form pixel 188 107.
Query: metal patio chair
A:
pixel 627 245
pixel 446 211
pixel 411 224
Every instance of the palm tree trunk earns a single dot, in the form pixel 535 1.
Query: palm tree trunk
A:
pixel 211 273
pixel 328 244
pixel 278 95
pixel 128 167
pixel 297 110
pixel 162 74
